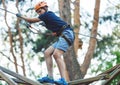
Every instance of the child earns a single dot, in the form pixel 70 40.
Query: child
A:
pixel 66 38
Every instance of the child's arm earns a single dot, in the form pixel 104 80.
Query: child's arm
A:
pixel 30 20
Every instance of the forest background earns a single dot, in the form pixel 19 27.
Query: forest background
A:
pixel 96 48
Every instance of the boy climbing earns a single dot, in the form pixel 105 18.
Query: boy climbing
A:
pixel 56 50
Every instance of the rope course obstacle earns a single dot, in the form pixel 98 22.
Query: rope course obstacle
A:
pixel 17 79
pixel 107 76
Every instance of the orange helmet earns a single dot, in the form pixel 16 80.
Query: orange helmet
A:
pixel 40 5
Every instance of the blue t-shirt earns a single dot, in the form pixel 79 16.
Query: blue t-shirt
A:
pixel 53 22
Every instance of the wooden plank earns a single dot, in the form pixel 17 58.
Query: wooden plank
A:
pixel 18 76
pixel 118 82
pixel 19 81
pixel 7 79
pixel 15 80
pixel 23 82
pixel 115 73
pixel 89 80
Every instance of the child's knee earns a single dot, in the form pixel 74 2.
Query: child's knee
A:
pixel 46 53
pixel 55 55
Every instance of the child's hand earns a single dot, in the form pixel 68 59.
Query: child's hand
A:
pixel 54 34
pixel 18 15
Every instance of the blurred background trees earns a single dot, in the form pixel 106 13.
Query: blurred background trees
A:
pixel 96 46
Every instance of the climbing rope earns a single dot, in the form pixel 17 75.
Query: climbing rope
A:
pixel 37 31
pixel 8 11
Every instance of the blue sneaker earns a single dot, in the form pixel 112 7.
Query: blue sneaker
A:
pixel 46 79
pixel 61 81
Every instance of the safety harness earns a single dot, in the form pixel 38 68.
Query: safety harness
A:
pixel 59 33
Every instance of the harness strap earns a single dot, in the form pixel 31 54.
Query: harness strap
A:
pixel 68 41
pixel 59 33
pixel 62 29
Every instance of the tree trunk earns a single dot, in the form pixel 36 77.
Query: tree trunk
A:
pixel 72 65
pixel 77 43
pixel 10 39
pixel 92 42
pixel 64 10
pixel 21 41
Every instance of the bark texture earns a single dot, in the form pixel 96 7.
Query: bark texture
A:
pixel 92 42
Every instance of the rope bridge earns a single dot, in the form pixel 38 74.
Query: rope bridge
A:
pixel 17 79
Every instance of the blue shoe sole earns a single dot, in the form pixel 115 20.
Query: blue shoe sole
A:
pixel 46 82
pixel 57 83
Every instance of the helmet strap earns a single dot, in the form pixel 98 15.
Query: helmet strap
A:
pixel 45 8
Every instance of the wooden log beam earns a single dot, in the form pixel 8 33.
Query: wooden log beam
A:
pixel 111 69
pixel 7 79
pixel 89 80
pixel 113 75
pixel 18 76
pixel 118 82
pixel 22 82
pixel 15 80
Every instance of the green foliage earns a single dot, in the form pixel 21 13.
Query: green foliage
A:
pixel 114 18
pixel 117 54
pixel 13 0
pixel 108 43
pixel 104 45
pixel 108 53
pixel 116 79
pixel 3 83
pixel 43 42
